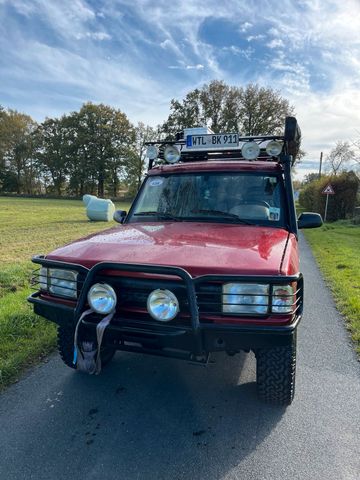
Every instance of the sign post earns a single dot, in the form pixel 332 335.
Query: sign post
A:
pixel 328 190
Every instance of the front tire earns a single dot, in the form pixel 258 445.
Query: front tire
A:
pixel 275 373
pixel 65 343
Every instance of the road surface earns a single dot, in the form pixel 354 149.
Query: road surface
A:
pixel 153 418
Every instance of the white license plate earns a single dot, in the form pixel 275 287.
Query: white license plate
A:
pixel 212 141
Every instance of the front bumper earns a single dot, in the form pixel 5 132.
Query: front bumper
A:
pixel 196 338
pixel 173 341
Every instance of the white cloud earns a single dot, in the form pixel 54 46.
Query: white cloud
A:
pixel 199 66
pixel 245 26
pixel 166 43
pixel 251 38
pixel 244 52
pixel 93 35
pixel 195 67
pixel 276 43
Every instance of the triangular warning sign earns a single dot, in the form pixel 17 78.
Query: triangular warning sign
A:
pixel 328 190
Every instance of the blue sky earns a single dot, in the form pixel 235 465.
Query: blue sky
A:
pixel 137 55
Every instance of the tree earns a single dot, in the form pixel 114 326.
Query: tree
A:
pixel 2 144
pixel 250 111
pixel 135 164
pixel 52 150
pixel 341 205
pixel 339 157
pixel 103 138
pixel 16 148
pixel 310 177
pixel 262 111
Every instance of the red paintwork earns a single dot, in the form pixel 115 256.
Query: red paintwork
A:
pixel 199 248
pixel 218 166
pixel 290 261
pixel 63 301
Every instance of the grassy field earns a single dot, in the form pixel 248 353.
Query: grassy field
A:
pixel 29 227
pixel 336 247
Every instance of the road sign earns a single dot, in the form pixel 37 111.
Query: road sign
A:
pixel 328 190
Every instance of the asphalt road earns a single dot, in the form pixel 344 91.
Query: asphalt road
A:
pixel 153 418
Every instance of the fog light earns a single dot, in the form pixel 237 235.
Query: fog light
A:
pixel 274 148
pixel 102 298
pixel 162 305
pixel 171 154
pixel 250 150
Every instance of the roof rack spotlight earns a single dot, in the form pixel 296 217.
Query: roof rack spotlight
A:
pixel 152 152
pixel 250 150
pixel 274 148
pixel 171 154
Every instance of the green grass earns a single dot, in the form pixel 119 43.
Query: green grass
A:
pixel 336 247
pixel 29 227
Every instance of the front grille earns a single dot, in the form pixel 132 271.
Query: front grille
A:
pixel 132 294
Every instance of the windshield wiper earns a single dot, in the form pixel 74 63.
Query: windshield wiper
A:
pixel 160 215
pixel 224 214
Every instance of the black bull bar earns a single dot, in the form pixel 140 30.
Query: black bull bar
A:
pixel 196 339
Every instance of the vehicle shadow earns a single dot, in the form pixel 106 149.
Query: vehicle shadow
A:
pixel 155 418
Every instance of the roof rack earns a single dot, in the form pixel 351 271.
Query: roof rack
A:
pixel 201 144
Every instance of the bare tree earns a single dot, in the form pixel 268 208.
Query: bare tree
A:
pixel 339 158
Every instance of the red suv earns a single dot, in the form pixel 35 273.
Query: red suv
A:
pixel 206 260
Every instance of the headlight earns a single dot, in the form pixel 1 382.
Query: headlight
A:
pixel 58 282
pixel 43 278
pixel 162 305
pixel 282 299
pixel 245 298
pixel 102 298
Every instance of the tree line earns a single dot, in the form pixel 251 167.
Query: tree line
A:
pixel 94 150
pixel 98 150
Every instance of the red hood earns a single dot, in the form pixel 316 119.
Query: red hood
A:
pixel 199 248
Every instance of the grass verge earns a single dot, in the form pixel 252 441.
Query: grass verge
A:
pixel 336 247
pixel 28 227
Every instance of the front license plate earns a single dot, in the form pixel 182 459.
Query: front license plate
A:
pixel 212 141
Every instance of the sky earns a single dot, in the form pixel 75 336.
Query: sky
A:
pixel 136 55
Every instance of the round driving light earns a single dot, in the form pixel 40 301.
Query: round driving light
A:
pixel 274 148
pixel 171 154
pixel 152 152
pixel 102 298
pixel 250 150
pixel 162 305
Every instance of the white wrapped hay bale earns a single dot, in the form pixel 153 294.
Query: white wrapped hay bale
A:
pixel 86 198
pixel 100 210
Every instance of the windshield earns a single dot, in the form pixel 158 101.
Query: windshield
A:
pixel 221 197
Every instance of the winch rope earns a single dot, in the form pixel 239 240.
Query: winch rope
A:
pixel 87 358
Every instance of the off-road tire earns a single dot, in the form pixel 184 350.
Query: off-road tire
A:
pixel 275 373
pixel 65 344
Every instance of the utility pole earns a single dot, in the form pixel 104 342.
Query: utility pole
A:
pixel 321 157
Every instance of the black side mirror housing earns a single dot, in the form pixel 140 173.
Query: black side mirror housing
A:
pixel 309 220
pixel 119 216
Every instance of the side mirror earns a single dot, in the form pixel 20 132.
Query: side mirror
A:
pixel 119 216
pixel 309 220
